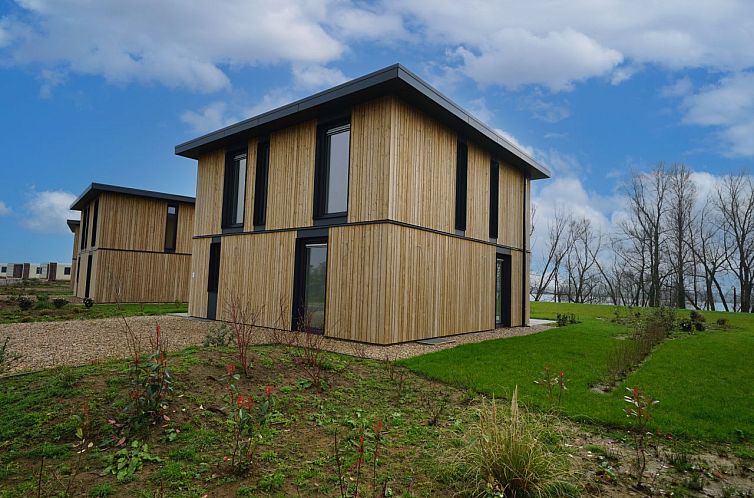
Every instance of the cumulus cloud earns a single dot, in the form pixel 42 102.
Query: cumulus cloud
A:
pixel 317 77
pixel 47 211
pixel 4 209
pixel 727 106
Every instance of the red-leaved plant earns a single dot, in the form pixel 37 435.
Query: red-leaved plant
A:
pixel 244 323
pixel 639 404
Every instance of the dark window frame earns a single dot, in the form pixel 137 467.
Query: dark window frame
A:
pixel 3 269
pixel 87 287
pixel 230 189
pixel 322 169
pixel 505 296
pixel 84 235
pixel 261 180
pixel 462 181
pixel 66 270
pixel 95 218
pixel 174 239
pixel 494 197
pixel 299 282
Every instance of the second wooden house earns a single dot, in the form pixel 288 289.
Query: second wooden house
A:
pixel 131 245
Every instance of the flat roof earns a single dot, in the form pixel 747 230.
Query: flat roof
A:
pixel 94 189
pixel 392 80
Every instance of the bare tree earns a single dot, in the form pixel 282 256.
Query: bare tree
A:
pixel 581 254
pixel 555 245
pixel 709 250
pixel 735 201
pixel 681 200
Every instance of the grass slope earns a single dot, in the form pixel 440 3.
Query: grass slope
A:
pixel 704 381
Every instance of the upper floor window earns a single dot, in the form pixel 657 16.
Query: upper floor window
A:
pixel 331 172
pixel 234 190
pixel 95 216
pixel 260 183
pixel 84 227
pixel 462 153
pixel 494 197
pixel 171 228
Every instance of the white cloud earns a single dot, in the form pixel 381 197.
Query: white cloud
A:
pixel 172 42
pixel 359 23
pixel 4 209
pixel 680 88
pixel 729 107
pixel 47 211
pixel 317 77
pixel 526 148
pixel 211 117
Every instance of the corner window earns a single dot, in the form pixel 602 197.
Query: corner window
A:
pixel 260 183
pixel 234 189
pixel 494 197
pixel 171 228
pixel 331 171
pixel 462 153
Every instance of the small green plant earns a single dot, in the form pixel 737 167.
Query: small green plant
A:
pixel 88 302
pixel 102 490
pixel 218 336
pixel 59 302
pixel 550 382
pixel 127 461
pixel 504 454
pixel 24 303
pixel 564 319
pixel 639 404
pixel 43 298
pixel 241 421
pixel 723 323
pixel 150 379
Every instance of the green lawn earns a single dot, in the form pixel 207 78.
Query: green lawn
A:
pixel 704 381
pixel 46 312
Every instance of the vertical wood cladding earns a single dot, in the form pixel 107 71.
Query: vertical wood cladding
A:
pixel 290 191
pixel 510 219
pixel 516 288
pixel 251 173
pixel 257 270
pixel 478 211
pixel 141 277
pixel 388 283
pixel 209 193
pixel 369 185
pixel 198 277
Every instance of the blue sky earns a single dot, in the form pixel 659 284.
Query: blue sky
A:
pixel 102 91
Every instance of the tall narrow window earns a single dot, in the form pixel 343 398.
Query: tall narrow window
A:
pixel 260 183
pixel 95 215
pixel 310 285
pixel 494 197
pixel 462 153
pixel 171 228
pixel 502 291
pixel 84 227
pixel 331 176
pixel 235 189
pixel 87 287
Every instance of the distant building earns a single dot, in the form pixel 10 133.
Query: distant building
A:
pixel 132 246
pixel 31 271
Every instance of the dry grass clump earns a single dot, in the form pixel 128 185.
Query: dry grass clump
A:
pixel 513 454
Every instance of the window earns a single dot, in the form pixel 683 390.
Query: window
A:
pixel 462 152
pixel 84 227
pixel 331 170
pixel 4 269
pixel 260 183
pixel 94 222
pixel 235 189
pixel 39 270
pixel 310 285
pixel 67 270
pixel 88 285
pixel 494 197
pixel 171 227
pixel 502 291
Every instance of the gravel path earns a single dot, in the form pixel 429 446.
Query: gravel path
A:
pixel 82 342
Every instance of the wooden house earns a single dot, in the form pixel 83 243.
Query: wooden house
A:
pixel 375 211
pixel 131 245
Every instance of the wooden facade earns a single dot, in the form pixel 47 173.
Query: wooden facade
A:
pixel 397 268
pixel 121 252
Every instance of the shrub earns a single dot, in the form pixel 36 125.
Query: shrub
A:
pixel 686 325
pixel 88 302
pixel 505 455
pixel 639 405
pixel 24 303
pixel 566 319
pixel 59 302
pixel 647 334
pixel 723 323
pixel 243 324
pixel 150 379
pixel 218 336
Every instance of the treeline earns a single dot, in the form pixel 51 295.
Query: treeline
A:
pixel 670 246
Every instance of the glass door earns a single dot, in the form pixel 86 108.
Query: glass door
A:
pixel 311 286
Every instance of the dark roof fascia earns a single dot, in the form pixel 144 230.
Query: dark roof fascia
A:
pixel 95 189
pixel 394 79
pixel 73 224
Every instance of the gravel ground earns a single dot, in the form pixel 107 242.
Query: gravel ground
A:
pixel 82 342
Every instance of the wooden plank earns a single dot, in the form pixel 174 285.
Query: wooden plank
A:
pixel 290 196
pixel 140 277
pixel 198 278
pixel 251 172
pixel 257 271
pixel 478 188
pixel 511 207
pixel 389 283
pixel 209 193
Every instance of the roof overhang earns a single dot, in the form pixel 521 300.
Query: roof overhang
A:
pixel 392 80
pixel 72 224
pixel 95 189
